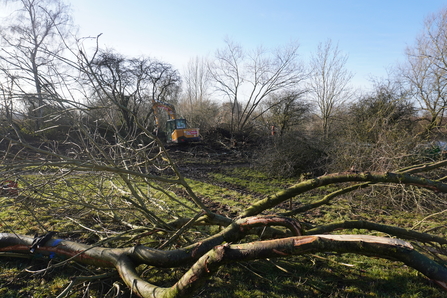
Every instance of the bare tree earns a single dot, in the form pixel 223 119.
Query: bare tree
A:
pixel 197 81
pixel 426 68
pixel 329 81
pixel 246 79
pixel 31 40
pixel 131 85
pixel 285 111
pixel 7 100
pixel 196 104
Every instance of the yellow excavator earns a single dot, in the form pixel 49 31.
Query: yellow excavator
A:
pixel 177 130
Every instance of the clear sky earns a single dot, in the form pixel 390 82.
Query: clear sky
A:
pixel 374 33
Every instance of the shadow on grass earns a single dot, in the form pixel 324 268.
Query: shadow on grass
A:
pixel 310 276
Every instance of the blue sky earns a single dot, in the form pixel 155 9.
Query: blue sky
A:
pixel 374 33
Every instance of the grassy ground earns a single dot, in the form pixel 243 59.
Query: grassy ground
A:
pixel 229 191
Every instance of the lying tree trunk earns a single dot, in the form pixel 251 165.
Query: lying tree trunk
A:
pixel 125 260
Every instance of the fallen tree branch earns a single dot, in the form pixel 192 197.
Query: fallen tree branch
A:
pixel 382 247
pixel 326 199
pixel 302 187
pixel 125 260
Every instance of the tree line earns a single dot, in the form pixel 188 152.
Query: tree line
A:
pixel 51 77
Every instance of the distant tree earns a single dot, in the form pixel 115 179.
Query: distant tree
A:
pixel 246 79
pixel 285 111
pixel 227 111
pixel 6 100
pixel 196 80
pixel 288 148
pixel 31 38
pixel 378 132
pixel 426 69
pixel 131 85
pixel 196 104
pixel 329 82
pixel 387 107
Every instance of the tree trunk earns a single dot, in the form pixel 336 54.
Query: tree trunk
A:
pixel 126 259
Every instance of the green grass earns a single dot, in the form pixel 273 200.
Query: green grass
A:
pixel 222 196
pixel 252 181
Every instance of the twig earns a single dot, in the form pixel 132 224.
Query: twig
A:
pixel 79 279
pixel 427 217
pixel 181 230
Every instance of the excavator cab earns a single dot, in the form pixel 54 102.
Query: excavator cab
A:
pixel 177 132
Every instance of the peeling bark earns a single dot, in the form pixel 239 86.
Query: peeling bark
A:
pixel 362 224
